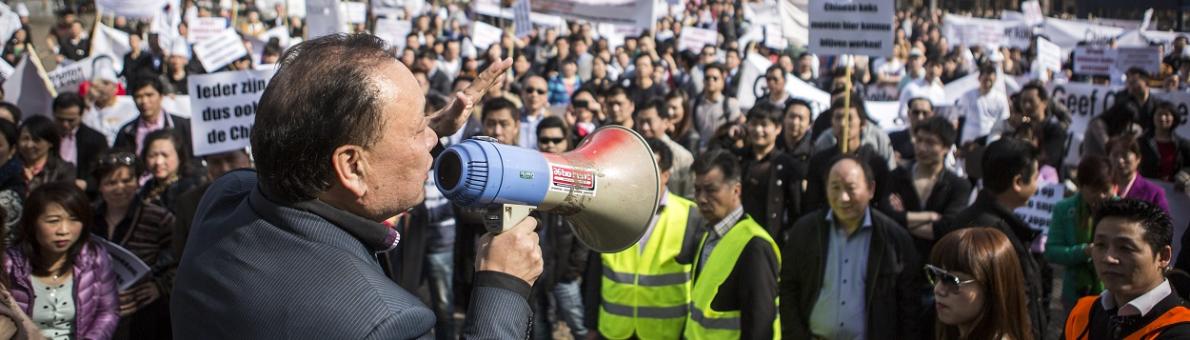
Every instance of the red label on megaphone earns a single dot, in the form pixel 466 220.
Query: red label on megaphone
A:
pixel 570 179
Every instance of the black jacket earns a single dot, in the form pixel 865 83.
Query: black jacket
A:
pixel 778 206
pixel 1101 328
pixel 564 256
pixel 1150 157
pixel 89 145
pixel 126 137
pixel 986 212
pixel 948 198
pixel 902 143
pixel 893 278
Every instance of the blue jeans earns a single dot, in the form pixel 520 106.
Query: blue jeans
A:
pixel 441 268
pixel 570 307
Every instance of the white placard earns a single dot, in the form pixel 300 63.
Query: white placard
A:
pixel 1094 60
pixel 1068 33
pixel 220 50
pixel 861 27
pixel 694 39
pixel 223 109
pixel 484 35
pixel 1049 55
pixel 622 12
pixel 1147 58
pixel 968 31
pixel 1032 10
pixel 324 17
pixel 1040 208
pixel 753 86
pixel 393 31
pixel 113 42
pixel 143 9
pixel 357 12
pixel 205 28
pixel 128 269
pixel 69 77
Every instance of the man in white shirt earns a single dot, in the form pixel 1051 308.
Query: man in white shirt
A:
pixel 930 88
pixel 983 107
pixel 107 112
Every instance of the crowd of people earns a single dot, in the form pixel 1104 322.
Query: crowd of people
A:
pixel 763 208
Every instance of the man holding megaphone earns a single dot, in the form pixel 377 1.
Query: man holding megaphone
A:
pixel 341 143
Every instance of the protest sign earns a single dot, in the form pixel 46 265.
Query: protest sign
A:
pixel 67 78
pixel 1032 11
pixel 138 9
pixel 1068 33
pixel 886 115
pixel 324 17
pixel 521 22
pixel 393 31
pixel 357 12
pixel 1147 58
pixel 113 42
pixel 176 104
pixel 968 31
pixel 29 87
pixel 127 267
pixel 693 38
pixel 1040 208
pixel 753 86
pixel 223 109
pixel 1084 100
pixel 863 27
pixel 484 35
pixel 220 50
pixel 1094 60
pixel 205 28
pixel 641 14
pixel 795 21
pixel 1049 55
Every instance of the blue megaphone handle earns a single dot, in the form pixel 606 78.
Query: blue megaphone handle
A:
pixel 479 172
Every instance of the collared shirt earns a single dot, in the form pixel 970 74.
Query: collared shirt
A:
pixel 982 112
pixel 529 121
pixel 145 127
pixel 839 311
pixel 1141 305
pixel 718 230
pixel 644 239
pixel 68 149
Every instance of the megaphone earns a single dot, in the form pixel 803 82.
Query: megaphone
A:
pixel 607 188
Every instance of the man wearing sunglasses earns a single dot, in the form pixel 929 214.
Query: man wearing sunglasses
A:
pixel 1132 251
pixel 856 273
pixel 536 97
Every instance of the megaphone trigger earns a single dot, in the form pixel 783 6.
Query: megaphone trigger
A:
pixel 501 218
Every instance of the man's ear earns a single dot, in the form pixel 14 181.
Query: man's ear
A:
pixel 350 169
pixel 1164 257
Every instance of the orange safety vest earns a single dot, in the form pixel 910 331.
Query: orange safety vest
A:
pixel 1077 326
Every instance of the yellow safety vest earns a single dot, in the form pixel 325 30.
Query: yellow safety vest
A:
pixel 646 293
pixel 706 322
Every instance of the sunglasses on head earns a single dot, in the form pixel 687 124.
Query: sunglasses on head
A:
pixel 546 140
pixel 119 158
pixel 951 282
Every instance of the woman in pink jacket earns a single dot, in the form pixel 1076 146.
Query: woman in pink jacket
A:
pixel 58 274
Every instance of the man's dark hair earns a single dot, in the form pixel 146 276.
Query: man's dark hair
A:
pixel 1156 223
pixel 987 68
pixel 1139 72
pixel 552 122
pixel 775 67
pixel 1036 85
pixel 66 100
pixel 9 132
pixel 496 104
pixel 313 107
pixel 869 177
pixel 658 104
pixel 718 159
pixel 939 127
pixel 142 82
pixel 461 78
pixel 791 102
pixel 1005 159
pixel 665 156
pixel 856 102
pixel 718 66
pixel 929 102
pixel 615 91
pixel 765 111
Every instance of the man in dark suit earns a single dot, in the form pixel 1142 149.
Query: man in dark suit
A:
pixel 81 144
pixel 341 145
pixel 147 92
pixel 859 274
pixel 1010 169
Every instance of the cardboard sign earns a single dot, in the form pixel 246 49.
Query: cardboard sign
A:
pixel 640 14
pixel 393 31
pixel 1032 10
pixel 862 27
pixel 128 269
pixel 223 109
pixel 484 35
pixel 694 39
pixel 1040 208
pixel 1094 60
pixel 1049 55
pixel 205 28
pixel 968 31
pixel 220 50
pixel 1147 58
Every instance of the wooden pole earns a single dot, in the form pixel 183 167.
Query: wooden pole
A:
pixel 844 144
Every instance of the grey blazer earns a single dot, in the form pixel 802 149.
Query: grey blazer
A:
pixel 254 269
